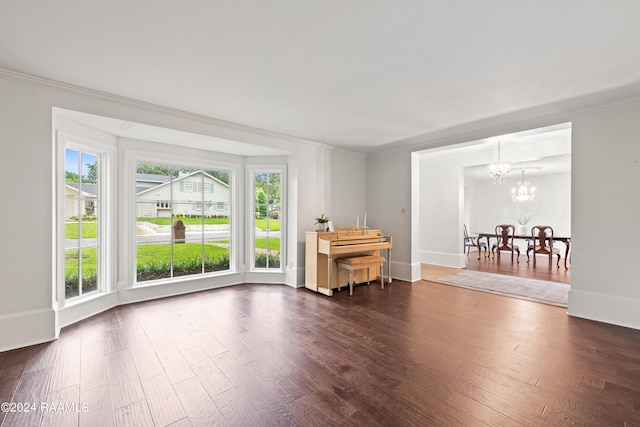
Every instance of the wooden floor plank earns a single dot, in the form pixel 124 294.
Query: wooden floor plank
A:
pixel 418 353
pixel 164 405
pixel 99 407
pixel 30 392
pixel 135 414
pixel 126 387
pixel 62 407
pixel 198 405
pixel 522 269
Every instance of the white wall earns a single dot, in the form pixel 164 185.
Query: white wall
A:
pixel 491 204
pixel 440 199
pixel 441 196
pixel 348 183
pixel 28 312
pixel 389 205
pixel 606 215
pixel 605 203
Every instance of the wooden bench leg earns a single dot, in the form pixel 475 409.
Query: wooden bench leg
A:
pixel 358 263
pixel 351 281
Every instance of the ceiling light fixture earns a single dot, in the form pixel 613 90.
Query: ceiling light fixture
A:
pixel 498 170
pixel 523 193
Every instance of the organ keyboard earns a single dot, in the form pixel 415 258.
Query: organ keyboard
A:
pixel 323 248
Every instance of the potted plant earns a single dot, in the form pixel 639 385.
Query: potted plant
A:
pixel 322 222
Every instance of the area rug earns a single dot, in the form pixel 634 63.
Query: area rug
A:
pixel 532 290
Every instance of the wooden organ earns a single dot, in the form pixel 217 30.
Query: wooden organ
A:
pixel 324 247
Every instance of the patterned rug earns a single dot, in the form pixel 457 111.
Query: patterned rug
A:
pixel 552 293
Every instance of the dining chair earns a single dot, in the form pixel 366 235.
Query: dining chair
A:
pixel 473 242
pixel 542 243
pixel 504 237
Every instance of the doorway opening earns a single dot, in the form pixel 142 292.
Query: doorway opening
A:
pixel 454 188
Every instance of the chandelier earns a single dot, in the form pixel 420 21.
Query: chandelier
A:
pixel 498 170
pixel 523 193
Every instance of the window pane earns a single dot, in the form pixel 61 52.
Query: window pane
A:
pixel 187 225
pixel 216 256
pixel 154 221
pixel 71 273
pixel 81 207
pixel 89 258
pixel 267 220
pixel 187 248
pixel 190 207
pixel 217 227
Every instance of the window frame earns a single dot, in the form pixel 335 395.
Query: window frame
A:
pixel 106 261
pixel 252 170
pixel 136 156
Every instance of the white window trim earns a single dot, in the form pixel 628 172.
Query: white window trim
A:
pixel 103 146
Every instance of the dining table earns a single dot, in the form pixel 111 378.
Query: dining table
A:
pixel 565 240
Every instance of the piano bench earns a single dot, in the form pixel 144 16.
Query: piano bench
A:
pixel 357 263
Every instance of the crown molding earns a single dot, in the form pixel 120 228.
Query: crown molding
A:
pixel 517 121
pixel 14 75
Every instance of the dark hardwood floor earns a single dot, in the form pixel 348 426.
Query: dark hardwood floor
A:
pixel 412 354
pixel 522 269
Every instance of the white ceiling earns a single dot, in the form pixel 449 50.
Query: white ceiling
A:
pixel 358 74
pixel 543 151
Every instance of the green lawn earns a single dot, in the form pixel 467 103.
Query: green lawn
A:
pixel 89 261
pixel 89 230
pixel 153 261
pixel 185 221
pixel 261 243
pixel 274 224
pixel 274 243
pixel 149 254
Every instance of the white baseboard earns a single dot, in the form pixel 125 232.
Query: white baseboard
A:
pixel 86 308
pixel 265 277
pixel 27 328
pixel 403 271
pixel 295 277
pixel 186 286
pixel 443 258
pixel 605 308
